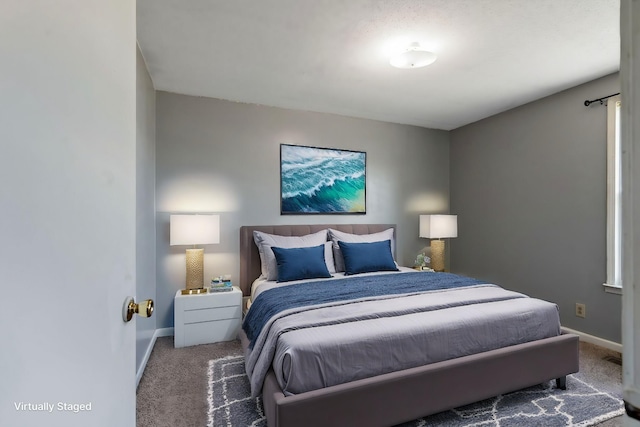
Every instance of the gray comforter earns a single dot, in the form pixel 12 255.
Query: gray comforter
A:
pixel 321 346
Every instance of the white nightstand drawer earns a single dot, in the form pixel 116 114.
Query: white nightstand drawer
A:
pixel 209 314
pixel 212 300
pixel 207 332
pixel 207 318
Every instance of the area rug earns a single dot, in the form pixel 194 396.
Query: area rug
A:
pixel 581 405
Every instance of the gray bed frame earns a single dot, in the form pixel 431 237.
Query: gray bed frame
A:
pixel 397 397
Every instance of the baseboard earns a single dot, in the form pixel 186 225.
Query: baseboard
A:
pixel 164 332
pixel 592 339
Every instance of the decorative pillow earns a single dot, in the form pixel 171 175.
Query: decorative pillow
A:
pixel 265 241
pixel 367 257
pixel 328 257
pixel 337 236
pixel 300 263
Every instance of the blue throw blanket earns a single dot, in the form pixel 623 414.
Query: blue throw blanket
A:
pixel 276 300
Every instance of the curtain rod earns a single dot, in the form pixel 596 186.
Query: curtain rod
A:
pixel 587 102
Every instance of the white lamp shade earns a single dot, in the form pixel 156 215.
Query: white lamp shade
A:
pixel 438 226
pixel 194 229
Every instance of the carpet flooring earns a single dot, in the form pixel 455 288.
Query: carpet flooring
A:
pixel 173 388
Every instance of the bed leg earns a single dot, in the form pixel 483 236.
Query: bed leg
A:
pixel 561 383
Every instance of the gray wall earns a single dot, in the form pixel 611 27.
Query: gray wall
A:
pixel 222 157
pixel 529 188
pixel 145 203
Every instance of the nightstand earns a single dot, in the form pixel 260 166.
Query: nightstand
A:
pixel 207 318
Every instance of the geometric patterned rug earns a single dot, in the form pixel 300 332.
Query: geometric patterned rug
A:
pixel 580 405
pixel 229 395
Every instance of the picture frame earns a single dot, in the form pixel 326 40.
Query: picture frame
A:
pixel 322 181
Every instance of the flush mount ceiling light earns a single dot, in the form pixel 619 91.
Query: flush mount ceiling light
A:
pixel 413 56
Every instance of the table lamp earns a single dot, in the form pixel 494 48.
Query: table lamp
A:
pixel 194 230
pixel 438 227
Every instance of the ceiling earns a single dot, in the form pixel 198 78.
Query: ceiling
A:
pixel 332 56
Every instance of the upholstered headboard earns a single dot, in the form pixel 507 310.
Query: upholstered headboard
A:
pixel 250 258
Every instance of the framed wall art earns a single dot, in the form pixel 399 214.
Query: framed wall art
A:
pixel 316 180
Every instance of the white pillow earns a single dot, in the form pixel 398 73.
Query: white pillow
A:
pixel 328 257
pixel 337 236
pixel 265 241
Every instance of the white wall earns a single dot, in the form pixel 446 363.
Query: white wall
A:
pixel 630 146
pixel 224 157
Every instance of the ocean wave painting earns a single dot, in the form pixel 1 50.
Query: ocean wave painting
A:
pixel 322 181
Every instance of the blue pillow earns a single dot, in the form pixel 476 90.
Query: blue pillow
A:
pixel 300 263
pixel 367 257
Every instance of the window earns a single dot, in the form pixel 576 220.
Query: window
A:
pixel 614 216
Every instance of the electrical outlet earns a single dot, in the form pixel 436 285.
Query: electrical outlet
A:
pixel 581 310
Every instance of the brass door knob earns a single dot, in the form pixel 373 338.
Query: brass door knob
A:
pixel 143 309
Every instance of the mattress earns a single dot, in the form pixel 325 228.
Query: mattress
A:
pixel 312 346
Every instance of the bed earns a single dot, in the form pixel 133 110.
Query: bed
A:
pixel 402 394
